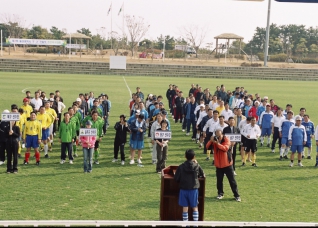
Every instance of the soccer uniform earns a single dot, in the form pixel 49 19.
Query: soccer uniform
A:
pixel 265 122
pixel 310 130
pixel 45 121
pixel 297 134
pixel 27 109
pixel 32 133
pixel 251 142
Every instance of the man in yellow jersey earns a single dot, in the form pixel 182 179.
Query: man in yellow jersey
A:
pixel 32 137
pixel 27 108
pixel 46 121
pixel 53 114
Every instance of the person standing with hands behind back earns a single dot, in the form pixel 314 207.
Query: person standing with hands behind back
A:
pixel 12 148
pixel 223 163
pixel 88 144
pixel 121 128
pixel 187 175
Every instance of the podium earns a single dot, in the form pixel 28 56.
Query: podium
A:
pixel 169 197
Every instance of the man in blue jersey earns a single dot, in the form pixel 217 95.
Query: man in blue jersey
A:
pixel 288 108
pixel 283 134
pixel 310 131
pixel 265 122
pixel 297 138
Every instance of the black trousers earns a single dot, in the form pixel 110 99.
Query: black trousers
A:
pixel 119 146
pixel 178 114
pixel 3 146
pixel 206 140
pixel 68 146
pixel 230 176
pixel 234 155
pixel 275 137
pixel 12 155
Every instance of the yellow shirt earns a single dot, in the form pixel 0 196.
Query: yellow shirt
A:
pixel 27 110
pixel 45 119
pixel 22 121
pixel 220 109
pixel 52 112
pixel 33 128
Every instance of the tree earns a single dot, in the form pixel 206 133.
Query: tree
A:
pixel 137 30
pixel 37 32
pixel 235 46
pixel 14 24
pixel 85 31
pixel 5 33
pixel 313 49
pixel 56 33
pixel 169 42
pixel 195 36
pixel 301 48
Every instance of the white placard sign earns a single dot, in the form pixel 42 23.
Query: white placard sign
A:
pixel 88 132
pixel 234 137
pixel 162 134
pixel 10 116
pixel 76 46
pixel 117 62
pixel 37 42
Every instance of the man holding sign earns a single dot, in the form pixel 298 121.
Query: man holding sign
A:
pixel 32 137
pixel 4 129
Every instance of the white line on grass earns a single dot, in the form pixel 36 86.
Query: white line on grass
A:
pixel 23 91
pixel 148 139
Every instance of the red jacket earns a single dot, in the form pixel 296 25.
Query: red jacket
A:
pixel 252 112
pixel 221 159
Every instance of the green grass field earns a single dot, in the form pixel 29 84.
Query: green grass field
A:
pixel 271 192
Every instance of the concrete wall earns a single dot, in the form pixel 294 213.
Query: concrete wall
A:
pixel 100 68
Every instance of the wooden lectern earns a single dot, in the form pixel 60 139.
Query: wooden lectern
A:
pixel 169 197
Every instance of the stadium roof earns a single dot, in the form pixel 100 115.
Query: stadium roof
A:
pixel 77 36
pixel 228 36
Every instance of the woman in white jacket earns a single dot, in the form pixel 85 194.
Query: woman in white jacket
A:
pixel 154 127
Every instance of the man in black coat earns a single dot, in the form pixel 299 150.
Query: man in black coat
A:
pixel 121 128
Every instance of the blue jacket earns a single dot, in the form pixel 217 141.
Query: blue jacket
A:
pixel 135 134
pixel 190 110
pixel 286 124
pixel 297 134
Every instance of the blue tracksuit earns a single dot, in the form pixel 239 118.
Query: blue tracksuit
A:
pixel 310 130
pixel 297 134
pixel 265 121
pixel 284 129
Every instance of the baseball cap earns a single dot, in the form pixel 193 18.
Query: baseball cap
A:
pixel 137 112
pixel 298 118
pixel 265 98
pixel 6 111
pixel 25 100
pixel 202 105
pixel 150 95
pixel 51 99
pixel 78 99
pixel 256 102
pixel 164 112
pixel 88 122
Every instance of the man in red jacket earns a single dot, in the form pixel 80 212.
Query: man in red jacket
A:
pixel 223 163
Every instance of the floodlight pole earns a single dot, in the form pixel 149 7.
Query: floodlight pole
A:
pixel 163 49
pixel 267 34
pixel 1 42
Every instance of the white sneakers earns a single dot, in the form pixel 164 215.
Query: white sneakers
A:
pixel 139 161
pixel 299 164
pixel 188 133
pixel 234 173
pixel 1 162
pixel 71 162
pixel 122 162
pixel 291 164
pixel 132 162
pixel 114 160
pixel 62 161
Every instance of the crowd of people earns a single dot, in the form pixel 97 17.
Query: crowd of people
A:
pixel 253 117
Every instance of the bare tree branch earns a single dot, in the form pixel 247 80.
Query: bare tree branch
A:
pixel 14 24
pixel 137 30
pixel 194 35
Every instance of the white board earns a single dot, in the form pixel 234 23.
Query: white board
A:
pixel 117 62
pixel 88 132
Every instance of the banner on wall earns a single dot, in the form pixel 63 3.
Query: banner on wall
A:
pixel 36 42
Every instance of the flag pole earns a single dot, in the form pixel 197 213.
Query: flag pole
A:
pixel 111 25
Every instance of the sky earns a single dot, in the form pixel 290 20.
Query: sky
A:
pixel 166 17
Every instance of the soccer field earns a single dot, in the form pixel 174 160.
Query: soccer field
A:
pixel 271 192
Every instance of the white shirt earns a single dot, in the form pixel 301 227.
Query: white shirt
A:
pixel 37 103
pixel 316 133
pixel 227 114
pixel 277 120
pixel 239 103
pixel 211 104
pixel 196 109
pixel 218 126
pixel 202 114
pixel 60 106
pixel 253 132
pixel 242 124
pixel 211 124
